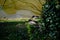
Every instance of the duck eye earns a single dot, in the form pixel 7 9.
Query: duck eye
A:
pixel 33 16
pixel 30 20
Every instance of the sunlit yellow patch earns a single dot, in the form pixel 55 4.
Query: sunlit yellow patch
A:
pixel 10 6
pixel 10 11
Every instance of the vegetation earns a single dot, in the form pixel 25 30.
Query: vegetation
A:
pixel 46 28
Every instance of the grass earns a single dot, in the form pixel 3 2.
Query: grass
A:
pixel 9 31
pixel 24 31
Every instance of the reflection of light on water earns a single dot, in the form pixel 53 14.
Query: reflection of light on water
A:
pixel 19 14
pixel 14 19
pixel 24 13
pixel 19 19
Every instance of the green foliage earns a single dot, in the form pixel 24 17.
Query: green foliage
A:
pixel 24 31
pixel 51 19
pixel 46 29
pixel 9 31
